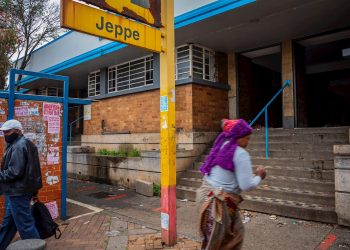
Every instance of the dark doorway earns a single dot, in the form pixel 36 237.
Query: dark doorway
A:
pixel 259 77
pixel 323 81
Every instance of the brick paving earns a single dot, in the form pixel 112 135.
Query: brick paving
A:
pixel 88 232
pixel 154 241
pixel 101 231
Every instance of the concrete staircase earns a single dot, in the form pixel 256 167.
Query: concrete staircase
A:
pixel 300 180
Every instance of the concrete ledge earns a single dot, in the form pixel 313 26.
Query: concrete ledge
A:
pixel 342 180
pixel 341 150
pixel 80 149
pixel 342 162
pixel 342 183
pixel 148 141
pixel 144 187
pixel 343 200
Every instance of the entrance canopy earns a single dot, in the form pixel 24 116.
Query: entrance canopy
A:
pixel 254 25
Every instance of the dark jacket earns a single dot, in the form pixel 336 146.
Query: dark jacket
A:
pixel 20 168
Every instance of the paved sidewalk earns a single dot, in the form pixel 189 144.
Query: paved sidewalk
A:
pixel 114 218
pixel 87 229
pixel 262 231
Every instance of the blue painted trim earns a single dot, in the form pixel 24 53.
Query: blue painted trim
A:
pixel 208 11
pixel 51 99
pixel 286 83
pixel 106 49
pixel 66 100
pixel 79 101
pixel 11 101
pixel 38 98
pixel 185 19
pixel 4 95
pixel 266 134
pixel 64 149
pixel 265 110
pixel 39 74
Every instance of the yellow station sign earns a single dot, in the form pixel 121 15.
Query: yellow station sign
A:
pixel 93 21
pixel 146 11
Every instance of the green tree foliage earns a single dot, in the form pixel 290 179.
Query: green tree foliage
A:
pixel 8 42
pixel 35 22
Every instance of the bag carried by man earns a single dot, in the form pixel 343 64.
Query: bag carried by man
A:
pixel 43 221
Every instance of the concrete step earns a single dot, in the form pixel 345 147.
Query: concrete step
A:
pixel 296 171
pixel 190 182
pixel 309 173
pixel 185 192
pixel 288 208
pixel 292 162
pixel 284 207
pixel 297 146
pixel 310 138
pixel 300 155
pixel 300 183
pixel 325 155
pixel 293 194
pixel 192 173
pixel 320 130
pixel 74 143
pixel 194 179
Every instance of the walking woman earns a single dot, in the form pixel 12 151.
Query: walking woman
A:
pixel 227 172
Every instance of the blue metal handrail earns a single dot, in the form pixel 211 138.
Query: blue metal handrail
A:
pixel 265 109
pixel 70 128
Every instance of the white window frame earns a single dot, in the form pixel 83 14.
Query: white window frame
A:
pixel 94 86
pixel 144 72
pixel 50 91
pixel 207 69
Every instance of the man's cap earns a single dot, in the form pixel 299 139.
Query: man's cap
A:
pixel 11 124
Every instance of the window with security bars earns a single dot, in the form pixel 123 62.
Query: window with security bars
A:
pixel 132 74
pixel 195 61
pixel 94 83
pixel 50 91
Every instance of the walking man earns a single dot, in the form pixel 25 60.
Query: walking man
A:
pixel 20 180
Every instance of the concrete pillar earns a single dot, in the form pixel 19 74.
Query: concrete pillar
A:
pixel 342 183
pixel 288 93
pixel 232 81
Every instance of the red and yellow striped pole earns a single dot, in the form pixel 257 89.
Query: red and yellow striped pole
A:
pixel 167 125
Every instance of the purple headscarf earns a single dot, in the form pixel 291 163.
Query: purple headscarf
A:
pixel 232 130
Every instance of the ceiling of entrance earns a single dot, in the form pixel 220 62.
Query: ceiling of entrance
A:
pixel 259 24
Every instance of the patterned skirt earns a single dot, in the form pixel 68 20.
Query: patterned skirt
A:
pixel 220 223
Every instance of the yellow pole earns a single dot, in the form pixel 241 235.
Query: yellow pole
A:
pixel 167 125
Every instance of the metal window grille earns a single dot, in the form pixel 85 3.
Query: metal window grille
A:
pixel 132 74
pixel 94 83
pixel 195 61
pixel 50 91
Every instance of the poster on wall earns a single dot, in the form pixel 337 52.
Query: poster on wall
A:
pixel 53 155
pixel 53 125
pixel 87 112
pixel 51 110
pixel 21 111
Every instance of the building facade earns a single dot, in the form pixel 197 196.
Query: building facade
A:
pixel 232 57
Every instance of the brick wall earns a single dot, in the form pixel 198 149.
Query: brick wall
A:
pixel 3 116
pixel 209 107
pixel 36 128
pixel 197 108
pixel 137 113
